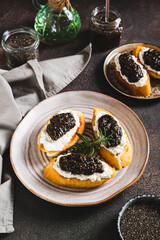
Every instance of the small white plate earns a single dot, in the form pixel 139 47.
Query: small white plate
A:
pixel 28 161
pixel 111 77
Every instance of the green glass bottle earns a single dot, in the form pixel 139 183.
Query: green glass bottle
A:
pixel 54 27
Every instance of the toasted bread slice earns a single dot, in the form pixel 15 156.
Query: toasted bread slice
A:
pixel 118 160
pixel 52 175
pixel 136 51
pixel 143 90
pixel 70 143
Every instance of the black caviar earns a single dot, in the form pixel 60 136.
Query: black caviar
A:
pixel 130 68
pixel 112 129
pixel 77 163
pixel 152 58
pixel 105 36
pixel 141 221
pixel 60 124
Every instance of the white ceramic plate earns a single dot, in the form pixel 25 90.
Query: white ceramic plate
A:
pixel 111 77
pixel 28 161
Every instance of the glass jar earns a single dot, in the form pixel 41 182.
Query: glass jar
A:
pixel 56 28
pixel 20 45
pixel 105 35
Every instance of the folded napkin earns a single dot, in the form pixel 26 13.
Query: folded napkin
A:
pixel 21 89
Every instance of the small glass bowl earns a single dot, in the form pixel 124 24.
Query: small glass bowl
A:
pixel 20 45
pixel 144 199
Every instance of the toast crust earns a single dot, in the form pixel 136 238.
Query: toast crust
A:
pixel 73 140
pixel 52 175
pixel 119 160
pixel 145 90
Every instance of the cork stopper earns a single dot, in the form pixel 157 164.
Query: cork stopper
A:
pixel 60 4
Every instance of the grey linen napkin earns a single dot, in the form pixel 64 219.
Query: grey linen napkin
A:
pixel 21 89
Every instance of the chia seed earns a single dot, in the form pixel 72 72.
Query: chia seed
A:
pixel 20 45
pixel 20 40
pixel 141 221
pixel 80 164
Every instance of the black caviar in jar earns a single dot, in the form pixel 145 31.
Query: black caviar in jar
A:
pixel 60 124
pixel 105 35
pixel 130 68
pixel 77 163
pixel 152 58
pixel 112 129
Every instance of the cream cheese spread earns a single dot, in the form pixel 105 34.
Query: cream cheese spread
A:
pixel 141 53
pixel 58 145
pixel 107 172
pixel 117 149
pixel 142 81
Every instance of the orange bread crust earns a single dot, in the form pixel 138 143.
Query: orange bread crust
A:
pixel 52 175
pixel 145 90
pixel 136 51
pixel 73 140
pixel 119 160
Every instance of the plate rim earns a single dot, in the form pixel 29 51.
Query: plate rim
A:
pixel 105 65
pixel 89 203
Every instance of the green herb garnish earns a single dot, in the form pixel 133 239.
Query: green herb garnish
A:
pixel 90 147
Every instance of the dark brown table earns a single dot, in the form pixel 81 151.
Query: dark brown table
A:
pixel 35 218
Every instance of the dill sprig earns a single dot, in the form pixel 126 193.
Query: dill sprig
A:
pixel 90 147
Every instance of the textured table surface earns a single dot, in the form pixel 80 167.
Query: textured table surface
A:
pixel 35 218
